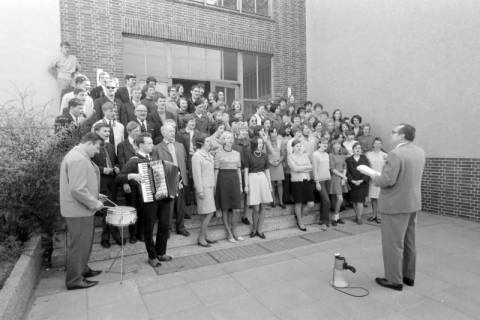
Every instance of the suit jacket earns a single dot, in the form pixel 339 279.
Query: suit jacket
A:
pixel 401 180
pixel 118 131
pixel 122 94
pixel 79 185
pixel 97 92
pixel 97 105
pixel 100 159
pixel 184 138
pixel 202 124
pixel 161 152
pixel 203 170
pixel 125 151
pixel 127 113
pixel 150 104
pixel 131 166
pixel 63 121
pixel 155 118
pixel 153 129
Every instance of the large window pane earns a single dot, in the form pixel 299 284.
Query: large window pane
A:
pixel 231 4
pixel 179 60
pixel 262 7
pixel 230 70
pixel 264 77
pixel 213 64
pixel 248 6
pixel 156 59
pixel 196 59
pixel 249 76
pixel 134 57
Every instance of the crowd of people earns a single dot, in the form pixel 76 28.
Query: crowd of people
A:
pixel 283 153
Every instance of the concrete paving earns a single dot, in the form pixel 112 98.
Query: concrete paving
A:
pixel 287 279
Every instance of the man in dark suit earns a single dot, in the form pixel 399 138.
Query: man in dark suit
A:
pixel 202 121
pixel 107 163
pixel 149 100
pixel 146 125
pixel 127 110
pixel 126 150
pixel 149 82
pixel 124 94
pixel 194 98
pixel 108 97
pixel 149 210
pixel 100 90
pixel 72 118
pixel 173 151
pixel 160 114
pixel 399 201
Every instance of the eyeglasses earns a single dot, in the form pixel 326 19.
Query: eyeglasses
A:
pixel 111 87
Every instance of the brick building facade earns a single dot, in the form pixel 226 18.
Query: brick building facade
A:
pixel 97 30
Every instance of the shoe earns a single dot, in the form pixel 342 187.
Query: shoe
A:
pixel 133 239
pixel 232 240
pixel 340 221
pixel 141 238
pixel 387 284
pixel 334 223
pixel 409 282
pixel 155 263
pixel 239 238
pixel 83 285
pixel 253 234
pixel 120 242
pixel 105 244
pixel 283 206
pixel 273 205
pixel 378 220
pixel 359 221
pixel 324 227
pixel 302 229
pixel 262 235
pixel 205 245
pixel 245 221
pixel 188 217
pixel 91 273
pixel 211 241
pixel 372 219
pixel 164 258
pixel 183 232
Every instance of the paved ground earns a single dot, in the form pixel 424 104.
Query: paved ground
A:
pixel 286 277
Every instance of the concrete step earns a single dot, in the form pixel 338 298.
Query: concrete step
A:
pixel 276 219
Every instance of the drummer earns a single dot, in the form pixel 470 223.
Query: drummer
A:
pixel 129 174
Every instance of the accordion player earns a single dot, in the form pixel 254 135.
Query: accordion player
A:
pixel 160 180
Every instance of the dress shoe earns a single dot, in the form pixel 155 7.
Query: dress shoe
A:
pixel 262 235
pixel 164 258
pixel 211 241
pixel 245 221
pixel 371 219
pixel 120 241
pixel 188 217
pixel 133 239
pixel 105 244
pixel 183 232
pixel 83 285
pixel 387 284
pixel 91 273
pixel 340 221
pixel 205 245
pixel 155 263
pixel 283 206
pixel 253 234
pixel 334 223
pixel 140 238
pixel 409 282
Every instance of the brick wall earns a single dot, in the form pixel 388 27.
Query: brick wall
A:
pixel 451 186
pixel 96 34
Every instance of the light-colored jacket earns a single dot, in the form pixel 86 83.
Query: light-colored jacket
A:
pixel 203 170
pixel 401 180
pixel 79 185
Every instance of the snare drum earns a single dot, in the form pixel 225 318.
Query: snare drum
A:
pixel 121 216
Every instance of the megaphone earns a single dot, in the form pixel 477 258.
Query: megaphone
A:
pixel 340 265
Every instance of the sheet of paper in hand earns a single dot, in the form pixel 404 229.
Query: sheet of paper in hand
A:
pixel 367 170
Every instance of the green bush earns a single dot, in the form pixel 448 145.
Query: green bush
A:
pixel 30 157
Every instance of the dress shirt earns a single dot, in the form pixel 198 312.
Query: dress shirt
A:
pixel 171 149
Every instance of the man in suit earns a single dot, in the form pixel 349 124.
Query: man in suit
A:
pixel 202 120
pixel 108 97
pixel 72 118
pixel 149 210
pixel 126 150
pixel 194 98
pixel 79 200
pixel 127 110
pixel 173 151
pixel 124 94
pixel 117 130
pixel 100 90
pixel 172 98
pixel 149 82
pixel 107 162
pixel 146 125
pixel 160 115
pixel 399 201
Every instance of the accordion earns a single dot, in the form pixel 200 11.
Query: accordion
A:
pixel 160 180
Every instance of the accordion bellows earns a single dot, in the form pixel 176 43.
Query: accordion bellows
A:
pixel 160 180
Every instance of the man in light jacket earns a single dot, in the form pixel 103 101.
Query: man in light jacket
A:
pixel 79 200
pixel 400 199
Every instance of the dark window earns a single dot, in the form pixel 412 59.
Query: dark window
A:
pixel 264 77
pixel 230 70
pixel 250 76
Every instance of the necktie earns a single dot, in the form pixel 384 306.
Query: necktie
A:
pixel 111 138
pixel 171 148
pixel 76 121
pixel 107 158
pixel 142 126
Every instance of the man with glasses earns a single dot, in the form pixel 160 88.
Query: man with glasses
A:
pixel 109 96
pixel 399 201
pixel 141 113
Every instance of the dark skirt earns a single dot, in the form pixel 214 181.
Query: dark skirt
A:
pixel 358 193
pixel 228 195
pixel 302 191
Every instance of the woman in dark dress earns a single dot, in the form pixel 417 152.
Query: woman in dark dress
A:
pixel 358 181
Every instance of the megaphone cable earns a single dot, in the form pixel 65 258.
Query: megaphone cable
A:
pixel 366 292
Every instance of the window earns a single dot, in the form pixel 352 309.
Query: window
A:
pixel 230 71
pixel 248 6
pixel 257 79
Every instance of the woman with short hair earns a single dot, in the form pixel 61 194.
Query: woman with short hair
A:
pixel 377 160
pixel 357 181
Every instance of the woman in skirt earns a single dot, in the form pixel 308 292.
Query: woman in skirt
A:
pixel 257 185
pixel 338 182
pixel 276 154
pixel 358 181
pixel 302 187
pixel 321 175
pixel 377 160
pixel 203 179
pixel 228 177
